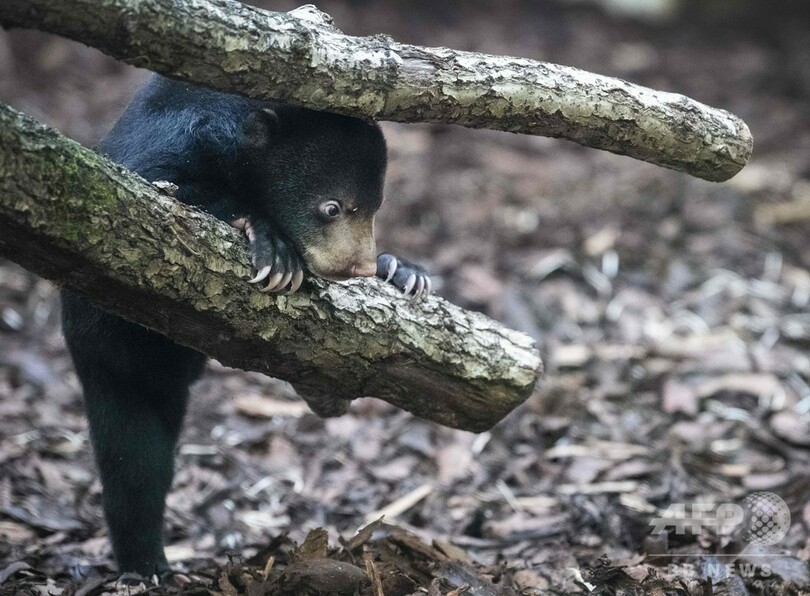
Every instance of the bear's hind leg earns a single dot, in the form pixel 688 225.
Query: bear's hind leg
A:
pixel 135 386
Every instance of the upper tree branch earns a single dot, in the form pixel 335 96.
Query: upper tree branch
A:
pixel 302 59
pixel 71 215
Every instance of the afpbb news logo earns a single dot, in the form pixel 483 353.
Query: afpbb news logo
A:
pixel 764 518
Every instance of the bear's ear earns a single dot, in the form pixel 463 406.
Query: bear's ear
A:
pixel 259 128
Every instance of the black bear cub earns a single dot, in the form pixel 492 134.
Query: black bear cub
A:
pixel 303 185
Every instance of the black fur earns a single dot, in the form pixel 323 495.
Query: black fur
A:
pixel 231 158
pixel 236 158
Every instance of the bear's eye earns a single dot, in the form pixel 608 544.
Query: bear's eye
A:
pixel 330 209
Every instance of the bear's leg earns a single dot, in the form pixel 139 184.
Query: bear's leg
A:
pixel 135 388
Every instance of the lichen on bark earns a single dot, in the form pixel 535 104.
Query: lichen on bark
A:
pixel 301 58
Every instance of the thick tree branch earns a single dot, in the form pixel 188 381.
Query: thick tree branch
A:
pixel 302 59
pixel 73 216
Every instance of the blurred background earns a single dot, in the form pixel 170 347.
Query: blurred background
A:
pixel 672 314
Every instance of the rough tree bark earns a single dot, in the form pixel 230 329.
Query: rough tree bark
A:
pixel 73 216
pixel 303 59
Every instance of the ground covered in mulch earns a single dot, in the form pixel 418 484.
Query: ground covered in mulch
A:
pixel 672 314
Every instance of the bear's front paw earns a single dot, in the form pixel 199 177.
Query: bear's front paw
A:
pixel 409 277
pixel 277 262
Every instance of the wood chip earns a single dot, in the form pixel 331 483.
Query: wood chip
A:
pixel 258 406
pixel 624 486
pixel 401 505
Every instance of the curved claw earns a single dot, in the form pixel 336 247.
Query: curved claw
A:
pixel 263 272
pixel 392 269
pixel 409 284
pixel 297 280
pixel 272 282
pixel 249 231
pixel 428 286
pixel 283 283
pixel 420 287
